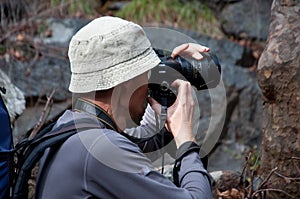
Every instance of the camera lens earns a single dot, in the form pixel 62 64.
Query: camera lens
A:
pixel 202 74
pixel 164 86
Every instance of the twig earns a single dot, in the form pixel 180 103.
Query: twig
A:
pixel 296 158
pixel 245 167
pixel 267 178
pixel 286 177
pixel 23 24
pixel 296 166
pixel 43 116
pixel 47 50
pixel 36 56
pixel 252 177
pixel 277 190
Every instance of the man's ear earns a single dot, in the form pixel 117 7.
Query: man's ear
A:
pixel 119 94
pixel 124 85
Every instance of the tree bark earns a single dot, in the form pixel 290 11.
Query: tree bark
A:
pixel 279 80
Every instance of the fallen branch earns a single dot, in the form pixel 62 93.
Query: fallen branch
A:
pixel 276 190
pixel 296 158
pixel 43 116
pixel 286 178
pixel 267 178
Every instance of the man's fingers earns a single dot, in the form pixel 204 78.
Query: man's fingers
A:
pixel 179 49
pixel 199 48
pixel 190 50
pixel 176 83
pixel 184 87
pixel 197 56
pixel 154 104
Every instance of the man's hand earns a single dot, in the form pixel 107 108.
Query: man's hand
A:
pixel 180 114
pixel 190 50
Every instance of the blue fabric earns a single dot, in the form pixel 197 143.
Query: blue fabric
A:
pixel 3 179
pixel 5 145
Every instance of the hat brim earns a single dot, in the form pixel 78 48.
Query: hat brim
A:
pixel 114 75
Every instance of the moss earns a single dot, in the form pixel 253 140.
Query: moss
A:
pixel 74 6
pixel 192 15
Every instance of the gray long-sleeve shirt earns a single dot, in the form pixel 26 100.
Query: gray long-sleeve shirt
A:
pixel 101 163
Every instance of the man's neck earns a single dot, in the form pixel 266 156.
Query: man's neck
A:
pixel 107 107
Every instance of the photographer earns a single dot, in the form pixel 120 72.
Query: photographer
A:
pixel 110 59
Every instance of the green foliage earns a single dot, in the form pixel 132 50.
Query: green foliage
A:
pixel 254 161
pixel 2 49
pixel 74 6
pixel 41 28
pixel 193 15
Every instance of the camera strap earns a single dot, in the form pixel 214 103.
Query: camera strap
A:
pixel 94 110
pixel 163 118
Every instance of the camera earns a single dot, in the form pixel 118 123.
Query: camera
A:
pixel 203 74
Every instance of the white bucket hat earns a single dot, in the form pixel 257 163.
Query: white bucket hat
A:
pixel 107 52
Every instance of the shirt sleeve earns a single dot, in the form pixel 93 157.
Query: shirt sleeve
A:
pixel 150 139
pixel 131 174
pixel 147 127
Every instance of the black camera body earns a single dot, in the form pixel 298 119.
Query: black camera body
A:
pixel 203 74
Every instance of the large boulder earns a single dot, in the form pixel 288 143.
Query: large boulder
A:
pixel 246 19
pixel 39 76
pixel 13 97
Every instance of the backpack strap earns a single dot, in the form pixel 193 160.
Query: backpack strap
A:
pixel 36 148
pixel 6 155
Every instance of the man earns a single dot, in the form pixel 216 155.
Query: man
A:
pixel 110 60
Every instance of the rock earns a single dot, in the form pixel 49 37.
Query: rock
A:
pixel 45 75
pixel 27 121
pixel 41 76
pixel 12 97
pixel 228 184
pixel 241 125
pixel 62 31
pixel 247 18
pixel 117 5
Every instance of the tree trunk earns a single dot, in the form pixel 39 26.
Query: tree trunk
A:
pixel 279 79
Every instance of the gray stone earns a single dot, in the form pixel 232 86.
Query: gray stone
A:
pixel 31 116
pixel 247 18
pixel 43 76
pixel 62 31
pixel 241 129
pixel 12 97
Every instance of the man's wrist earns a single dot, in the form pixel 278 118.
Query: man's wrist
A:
pixel 180 141
pixel 186 148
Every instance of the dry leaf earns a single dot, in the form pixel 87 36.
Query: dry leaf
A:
pixel 20 37
pixel 231 194
pixel 17 54
pixel 267 73
pixel 48 33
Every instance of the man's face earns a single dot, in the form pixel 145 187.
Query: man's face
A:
pixel 138 98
